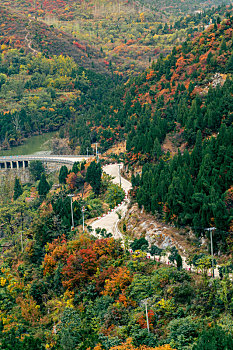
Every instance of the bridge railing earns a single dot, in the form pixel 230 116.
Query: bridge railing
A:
pixel 11 162
pixel 48 156
pixel 44 158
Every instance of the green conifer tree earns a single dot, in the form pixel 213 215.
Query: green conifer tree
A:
pixel 214 339
pixel 196 156
pixel 223 47
pixel 156 149
pixel 76 167
pixel 17 189
pixel 36 169
pixel 229 65
pixel 63 174
pixel 43 187
pixel 93 176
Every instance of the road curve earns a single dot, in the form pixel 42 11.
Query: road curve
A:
pixel 110 220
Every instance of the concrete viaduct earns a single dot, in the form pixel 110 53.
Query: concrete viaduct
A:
pixel 22 162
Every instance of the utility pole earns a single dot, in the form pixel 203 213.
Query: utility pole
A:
pixel 71 206
pixel 83 211
pixel 21 239
pixel 147 320
pixel 96 151
pixel 120 173
pixel 211 229
pixel 212 250
pixel 21 234
pixel 35 9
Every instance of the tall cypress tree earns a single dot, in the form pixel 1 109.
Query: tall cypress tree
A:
pixel 36 168
pixel 76 167
pixel 223 46
pixel 229 66
pixel 196 156
pixel 93 176
pixel 43 187
pixel 17 189
pixel 156 149
pixel 63 174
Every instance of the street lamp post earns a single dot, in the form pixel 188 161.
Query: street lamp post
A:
pixel 22 226
pixel 120 173
pixel 83 211
pixel 144 302
pixel 71 206
pixel 21 239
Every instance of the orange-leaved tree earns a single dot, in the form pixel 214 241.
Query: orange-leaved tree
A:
pixel 83 259
pixel 108 247
pixel 56 252
pixel 71 180
pixel 118 282
pixel 59 250
pixel 80 266
pixel 129 346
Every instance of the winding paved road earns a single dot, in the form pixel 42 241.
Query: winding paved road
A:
pixel 110 221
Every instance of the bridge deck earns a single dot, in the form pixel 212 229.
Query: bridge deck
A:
pixel 16 162
pixel 53 158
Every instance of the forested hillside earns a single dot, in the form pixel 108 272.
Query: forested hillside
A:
pixel 89 294
pixel 19 31
pixel 131 35
pixel 158 77
pixel 187 96
pixel 187 92
pixel 128 35
pixel 40 94
pixel 68 9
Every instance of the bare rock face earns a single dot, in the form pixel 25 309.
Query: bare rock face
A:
pixel 218 79
pixel 140 224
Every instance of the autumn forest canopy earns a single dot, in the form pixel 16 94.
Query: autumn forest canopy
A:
pixel 150 84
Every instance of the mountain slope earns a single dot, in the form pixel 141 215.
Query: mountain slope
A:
pixel 185 79
pixel 128 34
pixel 189 96
pixel 40 94
pixel 69 9
pixel 18 31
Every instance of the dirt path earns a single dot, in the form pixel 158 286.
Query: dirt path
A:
pixel 29 41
